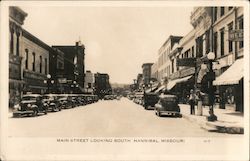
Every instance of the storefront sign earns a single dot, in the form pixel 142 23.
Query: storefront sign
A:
pixel 187 72
pixel 190 62
pixel 62 80
pixel 33 75
pixel 236 35
pixel 175 75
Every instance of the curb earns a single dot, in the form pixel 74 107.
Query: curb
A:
pixel 211 127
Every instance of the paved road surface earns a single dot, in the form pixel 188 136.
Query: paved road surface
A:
pixel 111 118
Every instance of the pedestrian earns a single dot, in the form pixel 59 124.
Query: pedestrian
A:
pixel 199 102
pixel 191 101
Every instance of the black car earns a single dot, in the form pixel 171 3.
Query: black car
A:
pixel 149 100
pixel 167 104
pixel 31 104
pixel 52 102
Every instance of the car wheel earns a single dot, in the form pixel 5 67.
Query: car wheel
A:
pixel 35 112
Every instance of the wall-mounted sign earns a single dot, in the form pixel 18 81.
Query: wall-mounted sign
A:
pixel 236 35
pixel 190 62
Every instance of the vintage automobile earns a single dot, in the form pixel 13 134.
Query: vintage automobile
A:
pixel 52 102
pixel 31 104
pixel 149 100
pixel 108 97
pixel 167 104
pixel 138 98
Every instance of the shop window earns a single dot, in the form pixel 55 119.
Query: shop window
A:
pixel 222 42
pixel 230 43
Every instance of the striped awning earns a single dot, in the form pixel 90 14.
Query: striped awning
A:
pixel 160 88
pixel 232 75
pixel 172 83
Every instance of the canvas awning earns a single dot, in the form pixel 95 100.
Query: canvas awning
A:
pixel 151 89
pixel 160 88
pixel 232 75
pixel 172 83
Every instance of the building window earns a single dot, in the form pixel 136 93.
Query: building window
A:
pixel 27 58
pixel 34 62
pixel 241 26
pixel 11 41
pixel 207 42
pixel 17 44
pixel 222 11
pixel 222 41
pixel 45 65
pixel 230 43
pixel 41 61
pixel 173 66
pixel 229 8
pixel 215 14
pixel 177 66
pixel 215 43
pixel 192 51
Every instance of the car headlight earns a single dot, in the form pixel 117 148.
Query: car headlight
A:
pixel 29 105
pixel 17 107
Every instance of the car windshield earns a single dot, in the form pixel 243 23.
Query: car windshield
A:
pixel 27 98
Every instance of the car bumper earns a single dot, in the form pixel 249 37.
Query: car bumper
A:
pixel 18 113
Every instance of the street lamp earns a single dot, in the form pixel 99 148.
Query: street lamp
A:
pixel 151 84
pixel 211 78
pixel 48 82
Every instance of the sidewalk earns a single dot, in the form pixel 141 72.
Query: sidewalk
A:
pixel 228 121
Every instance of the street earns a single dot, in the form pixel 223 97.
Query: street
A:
pixel 106 118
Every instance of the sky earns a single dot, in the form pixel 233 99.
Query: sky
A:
pixel 118 40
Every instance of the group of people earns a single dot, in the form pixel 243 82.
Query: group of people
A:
pixel 194 97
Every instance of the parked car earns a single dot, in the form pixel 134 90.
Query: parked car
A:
pixel 149 100
pixel 63 101
pixel 52 102
pixel 108 97
pixel 31 104
pixel 167 104
pixel 138 98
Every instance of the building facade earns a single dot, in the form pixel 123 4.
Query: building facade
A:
pixel 35 63
pixel 74 61
pixel 102 85
pixel 181 78
pixel 89 82
pixel 229 49
pixel 146 73
pixel 163 62
pixel 16 20
pixel 56 70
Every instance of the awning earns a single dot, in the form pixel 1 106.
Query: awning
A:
pixel 160 88
pixel 172 83
pixel 232 75
pixel 151 89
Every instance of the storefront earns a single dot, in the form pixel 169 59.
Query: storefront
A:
pixel 230 87
pixel 181 83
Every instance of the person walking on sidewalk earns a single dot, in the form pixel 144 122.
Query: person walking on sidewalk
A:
pixel 199 102
pixel 191 101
